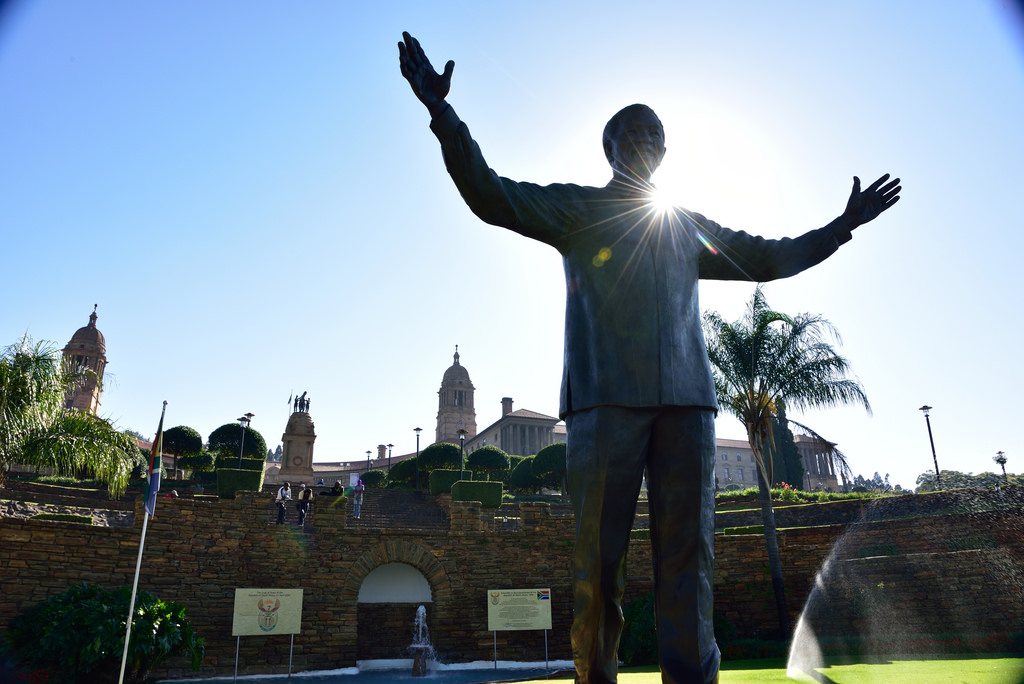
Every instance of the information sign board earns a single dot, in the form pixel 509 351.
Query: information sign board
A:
pixel 263 612
pixel 516 609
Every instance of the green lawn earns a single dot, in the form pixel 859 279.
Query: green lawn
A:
pixel 979 670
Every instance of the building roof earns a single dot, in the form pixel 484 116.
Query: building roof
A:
pixel 732 443
pixel 89 336
pixel 456 373
pixel 527 413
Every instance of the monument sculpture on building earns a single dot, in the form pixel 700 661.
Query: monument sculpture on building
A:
pixel 297 441
pixel 86 353
pixel 637 393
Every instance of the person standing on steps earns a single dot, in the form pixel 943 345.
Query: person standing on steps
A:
pixel 284 494
pixel 305 499
pixel 357 499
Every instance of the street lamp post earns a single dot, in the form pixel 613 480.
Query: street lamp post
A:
pixel 243 423
pixel 462 452
pixel 926 410
pixel 417 431
pixel 389 458
pixel 368 452
pixel 1000 458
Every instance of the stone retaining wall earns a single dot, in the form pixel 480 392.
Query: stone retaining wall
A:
pixel 198 551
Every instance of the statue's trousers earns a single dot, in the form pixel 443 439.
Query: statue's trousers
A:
pixel 609 448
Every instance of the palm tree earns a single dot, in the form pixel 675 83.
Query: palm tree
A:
pixel 766 361
pixel 37 429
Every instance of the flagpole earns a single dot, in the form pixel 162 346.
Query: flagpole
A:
pixel 158 444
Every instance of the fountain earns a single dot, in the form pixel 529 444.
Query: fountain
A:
pixel 917 576
pixel 422 651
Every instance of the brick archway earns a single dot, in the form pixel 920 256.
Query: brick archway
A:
pixel 380 626
pixel 410 553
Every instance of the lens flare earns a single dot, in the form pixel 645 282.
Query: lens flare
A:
pixel 707 243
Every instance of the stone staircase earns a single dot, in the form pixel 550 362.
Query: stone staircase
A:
pixel 397 509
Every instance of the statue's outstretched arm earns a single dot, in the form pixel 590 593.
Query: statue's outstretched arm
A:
pixel 429 86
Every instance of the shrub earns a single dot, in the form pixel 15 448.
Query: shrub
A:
pixel 201 461
pixel 402 474
pixel 231 461
pixel 228 437
pixel 441 481
pixel 549 465
pixel 489 460
pixel 207 478
pixel 79 635
pixel 374 479
pixel 181 440
pixel 440 456
pixel 521 479
pixel 58 480
pixel 487 493
pixel 232 480
pixel 513 461
pixel 64 517
pixel 639 644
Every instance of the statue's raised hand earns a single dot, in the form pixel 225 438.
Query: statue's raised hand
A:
pixel 429 86
pixel 867 205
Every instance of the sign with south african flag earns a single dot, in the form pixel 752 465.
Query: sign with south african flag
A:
pixel 517 609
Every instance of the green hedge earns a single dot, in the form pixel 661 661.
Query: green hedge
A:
pixel 487 493
pixel 228 462
pixel 232 480
pixel 206 478
pixel 441 481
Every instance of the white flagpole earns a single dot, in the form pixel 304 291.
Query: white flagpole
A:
pixel 138 563
pixel 131 609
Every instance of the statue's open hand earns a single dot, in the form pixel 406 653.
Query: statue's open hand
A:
pixel 867 205
pixel 429 86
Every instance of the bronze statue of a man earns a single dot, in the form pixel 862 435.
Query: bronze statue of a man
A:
pixel 637 392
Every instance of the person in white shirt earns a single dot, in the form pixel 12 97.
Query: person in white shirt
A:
pixel 283 494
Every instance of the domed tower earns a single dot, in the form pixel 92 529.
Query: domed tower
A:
pixel 298 438
pixel 455 404
pixel 87 352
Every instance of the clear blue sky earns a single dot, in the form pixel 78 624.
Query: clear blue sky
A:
pixel 250 192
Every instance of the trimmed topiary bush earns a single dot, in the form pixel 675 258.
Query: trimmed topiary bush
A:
pixel 403 474
pixel 232 480
pixel 181 440
pixel 225 460
pixel 487 493
pixel 228 437
pixel 549 466
pixel 78 636
pixel 489 460
pixel 521 479
pixel 440 456
pixel 201 461
pixel 374 479
pixel 441 481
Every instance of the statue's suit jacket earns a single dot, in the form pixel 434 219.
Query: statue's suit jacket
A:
pixel 632 322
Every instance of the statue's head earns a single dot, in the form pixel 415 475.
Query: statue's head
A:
pixel 634 142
